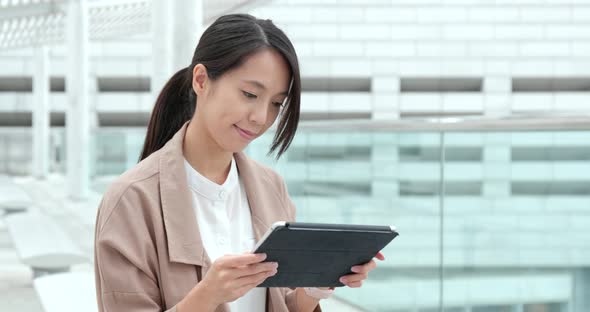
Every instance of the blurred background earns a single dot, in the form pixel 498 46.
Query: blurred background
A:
pixel 465 123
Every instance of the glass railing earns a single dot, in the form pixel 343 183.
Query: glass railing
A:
pixel 493 214
pixel 490 220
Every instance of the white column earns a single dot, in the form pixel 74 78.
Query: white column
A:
pixel 580 300
pixel 518 307
pixel 176 29
pixel 188 24
pixel 497 170
pixel 77 114
pixel 384 149
pixel 41 124
pixel 498 95
pixel 385 165
pixel 161 44
pixel 386 97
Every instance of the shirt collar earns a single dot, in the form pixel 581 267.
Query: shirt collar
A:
pixel 209 189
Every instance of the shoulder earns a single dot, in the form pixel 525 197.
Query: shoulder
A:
pixel 269 176
pixel 131 190
pixel 272 183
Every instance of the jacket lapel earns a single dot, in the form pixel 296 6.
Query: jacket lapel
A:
pixel 255 184
pixel 255 188
pixel 180 222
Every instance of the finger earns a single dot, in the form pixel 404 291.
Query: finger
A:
pixel 241 260
pixel 380 256
pixel 355 284
pixel 254 278
pixel 347 279
pixel 371 265
pixel 242 290
pixel 257 268
pixel 365 268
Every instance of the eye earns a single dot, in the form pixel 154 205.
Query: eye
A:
pixel 281 103
pixel 249 95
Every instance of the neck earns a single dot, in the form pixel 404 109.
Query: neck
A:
pixel 204 154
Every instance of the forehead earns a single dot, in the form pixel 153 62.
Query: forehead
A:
pixel 266 66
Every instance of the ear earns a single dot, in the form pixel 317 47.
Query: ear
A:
pixel 200 79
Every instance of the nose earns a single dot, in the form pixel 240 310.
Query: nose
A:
pixel 259 113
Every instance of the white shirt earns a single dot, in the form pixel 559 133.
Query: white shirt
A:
pixel 225 224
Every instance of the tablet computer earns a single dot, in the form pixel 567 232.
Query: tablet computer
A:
pixel 318 254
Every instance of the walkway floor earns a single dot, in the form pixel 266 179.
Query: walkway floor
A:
pixel 77 219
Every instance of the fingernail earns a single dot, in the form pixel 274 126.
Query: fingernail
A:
pixel 354 269
pixel 342 280
pixel 262 256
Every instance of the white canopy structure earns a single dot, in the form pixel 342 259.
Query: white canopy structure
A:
pixel 29 23
pixel 175 27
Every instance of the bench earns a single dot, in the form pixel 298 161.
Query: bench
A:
pixel 41 244
pixel 13 198
pixel 65 292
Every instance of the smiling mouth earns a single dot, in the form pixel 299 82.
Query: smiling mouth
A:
pixel 245 133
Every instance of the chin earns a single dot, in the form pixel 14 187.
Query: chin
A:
pixel 235 148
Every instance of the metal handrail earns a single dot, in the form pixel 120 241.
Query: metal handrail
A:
pixel 521 122
pixel 518 122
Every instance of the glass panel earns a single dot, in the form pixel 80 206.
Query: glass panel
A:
pixel 522 244
pixel 516 209
pixel 366 178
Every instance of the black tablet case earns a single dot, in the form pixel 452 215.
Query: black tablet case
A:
pixel 318 254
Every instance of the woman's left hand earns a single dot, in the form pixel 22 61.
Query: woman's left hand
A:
pixel 361 273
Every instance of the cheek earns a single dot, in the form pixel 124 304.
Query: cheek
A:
pixel 223 125
pixel 226 111
pixel 273 117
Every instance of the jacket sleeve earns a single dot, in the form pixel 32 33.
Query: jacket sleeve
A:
pixel 125 260
pixel 290 293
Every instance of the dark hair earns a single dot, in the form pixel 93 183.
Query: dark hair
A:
pixel 223 46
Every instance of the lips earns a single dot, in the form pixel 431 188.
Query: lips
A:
pixel 248 135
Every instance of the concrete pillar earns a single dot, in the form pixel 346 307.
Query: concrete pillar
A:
pixel 41 126
pixel 176 29
pixel 518 307
pixel 496 161
pixel 93 125
pixel 581 300
pixel 385 166
pixel 386 99
pixel 77 114
pixel 161 44
pixel 188 25
pixel 384 149
pixel 498 96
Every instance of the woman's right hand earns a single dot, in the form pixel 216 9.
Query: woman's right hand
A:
pixel 231 277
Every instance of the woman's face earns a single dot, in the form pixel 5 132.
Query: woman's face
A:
pixel 243 103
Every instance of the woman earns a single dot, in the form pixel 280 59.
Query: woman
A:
pixel 174 232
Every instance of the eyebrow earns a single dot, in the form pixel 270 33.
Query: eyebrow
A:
pixel 260 85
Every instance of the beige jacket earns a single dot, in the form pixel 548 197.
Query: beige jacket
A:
pixel 148 252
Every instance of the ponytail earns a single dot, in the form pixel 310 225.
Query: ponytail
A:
pixel 175 106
